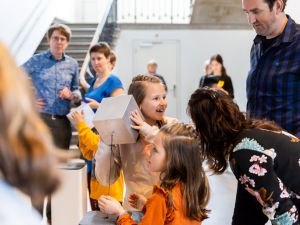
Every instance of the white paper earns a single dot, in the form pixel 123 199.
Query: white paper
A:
pixel 88 114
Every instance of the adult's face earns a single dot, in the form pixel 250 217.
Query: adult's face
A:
pixel 263 20
pixel 216 67
pixel 152 69
pixel 58 43
pixel 99 62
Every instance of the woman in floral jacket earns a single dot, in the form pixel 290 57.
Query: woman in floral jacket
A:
pixel 264 159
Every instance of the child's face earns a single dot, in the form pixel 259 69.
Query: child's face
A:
pixel 154 104
pixel 157 159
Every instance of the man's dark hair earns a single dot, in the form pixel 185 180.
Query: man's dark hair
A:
pixel 272 2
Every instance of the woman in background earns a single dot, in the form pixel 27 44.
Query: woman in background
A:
pixel 218 70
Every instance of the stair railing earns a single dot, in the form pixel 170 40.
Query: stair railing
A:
pixel 95 39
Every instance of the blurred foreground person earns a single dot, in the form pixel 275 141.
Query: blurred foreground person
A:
pixel 26 166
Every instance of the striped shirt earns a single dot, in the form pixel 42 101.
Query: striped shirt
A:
pixel 49 76
pixel 273 83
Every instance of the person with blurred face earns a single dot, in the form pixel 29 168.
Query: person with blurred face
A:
pixel 152 71
pixel 56 80
pixel 273 84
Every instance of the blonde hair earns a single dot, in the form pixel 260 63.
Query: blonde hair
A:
pixel 25 142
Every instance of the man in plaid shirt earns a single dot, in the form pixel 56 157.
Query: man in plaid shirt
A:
pixel 273 83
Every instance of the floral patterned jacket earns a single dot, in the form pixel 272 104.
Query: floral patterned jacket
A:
pixel 267 166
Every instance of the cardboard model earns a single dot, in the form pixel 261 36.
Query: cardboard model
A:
pixel 112 120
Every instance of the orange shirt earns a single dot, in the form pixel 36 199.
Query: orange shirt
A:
pixel 156 210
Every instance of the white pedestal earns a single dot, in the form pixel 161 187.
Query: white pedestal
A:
pixel 69 203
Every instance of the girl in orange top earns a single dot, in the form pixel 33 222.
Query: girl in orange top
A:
pixel 183 192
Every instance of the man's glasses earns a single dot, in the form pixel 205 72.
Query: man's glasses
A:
pixel 56 38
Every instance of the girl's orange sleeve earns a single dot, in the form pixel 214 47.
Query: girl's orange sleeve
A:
pixel 155 212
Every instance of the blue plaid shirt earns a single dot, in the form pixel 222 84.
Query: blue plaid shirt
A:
pixel 49 76
pixel 273 83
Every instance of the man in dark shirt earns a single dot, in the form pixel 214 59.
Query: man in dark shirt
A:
pixel 273 83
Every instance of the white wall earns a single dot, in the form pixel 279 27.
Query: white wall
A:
pixel 195 47
pixel 293 9
pixel 80 11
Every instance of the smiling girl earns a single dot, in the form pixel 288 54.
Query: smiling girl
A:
pixel 150 96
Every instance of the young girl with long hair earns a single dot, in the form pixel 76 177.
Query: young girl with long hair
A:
pixel 264 159
pixel 183 192
pixel 150 96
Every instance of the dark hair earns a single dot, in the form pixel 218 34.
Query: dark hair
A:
pixel 184 165
pixel 219 59
pixel 272 2
pixel 218 120
pixel 101 47
pixel 25 142
pixel 62 28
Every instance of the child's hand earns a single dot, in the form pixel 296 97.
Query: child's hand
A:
pixel 109 205
pixel 137 119
pixel 77 116
pixel 137 201
pixel 93 103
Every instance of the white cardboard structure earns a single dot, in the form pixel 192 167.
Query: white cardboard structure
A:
pixel 112 120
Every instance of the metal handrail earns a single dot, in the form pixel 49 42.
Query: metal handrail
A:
pixel 95 39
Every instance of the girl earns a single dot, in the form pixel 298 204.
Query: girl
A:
pixel 150 96
pixel 264 159
pixel 183 192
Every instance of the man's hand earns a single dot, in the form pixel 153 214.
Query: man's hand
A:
pixel 66 93
pixel 40 104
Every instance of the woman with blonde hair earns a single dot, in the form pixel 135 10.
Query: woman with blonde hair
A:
pixel 25 163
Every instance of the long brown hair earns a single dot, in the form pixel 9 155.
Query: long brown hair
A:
pixel 25 142
pixel 218 120
pixel 184 165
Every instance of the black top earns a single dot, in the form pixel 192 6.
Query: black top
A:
pixel 267 167
pixel 209 80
